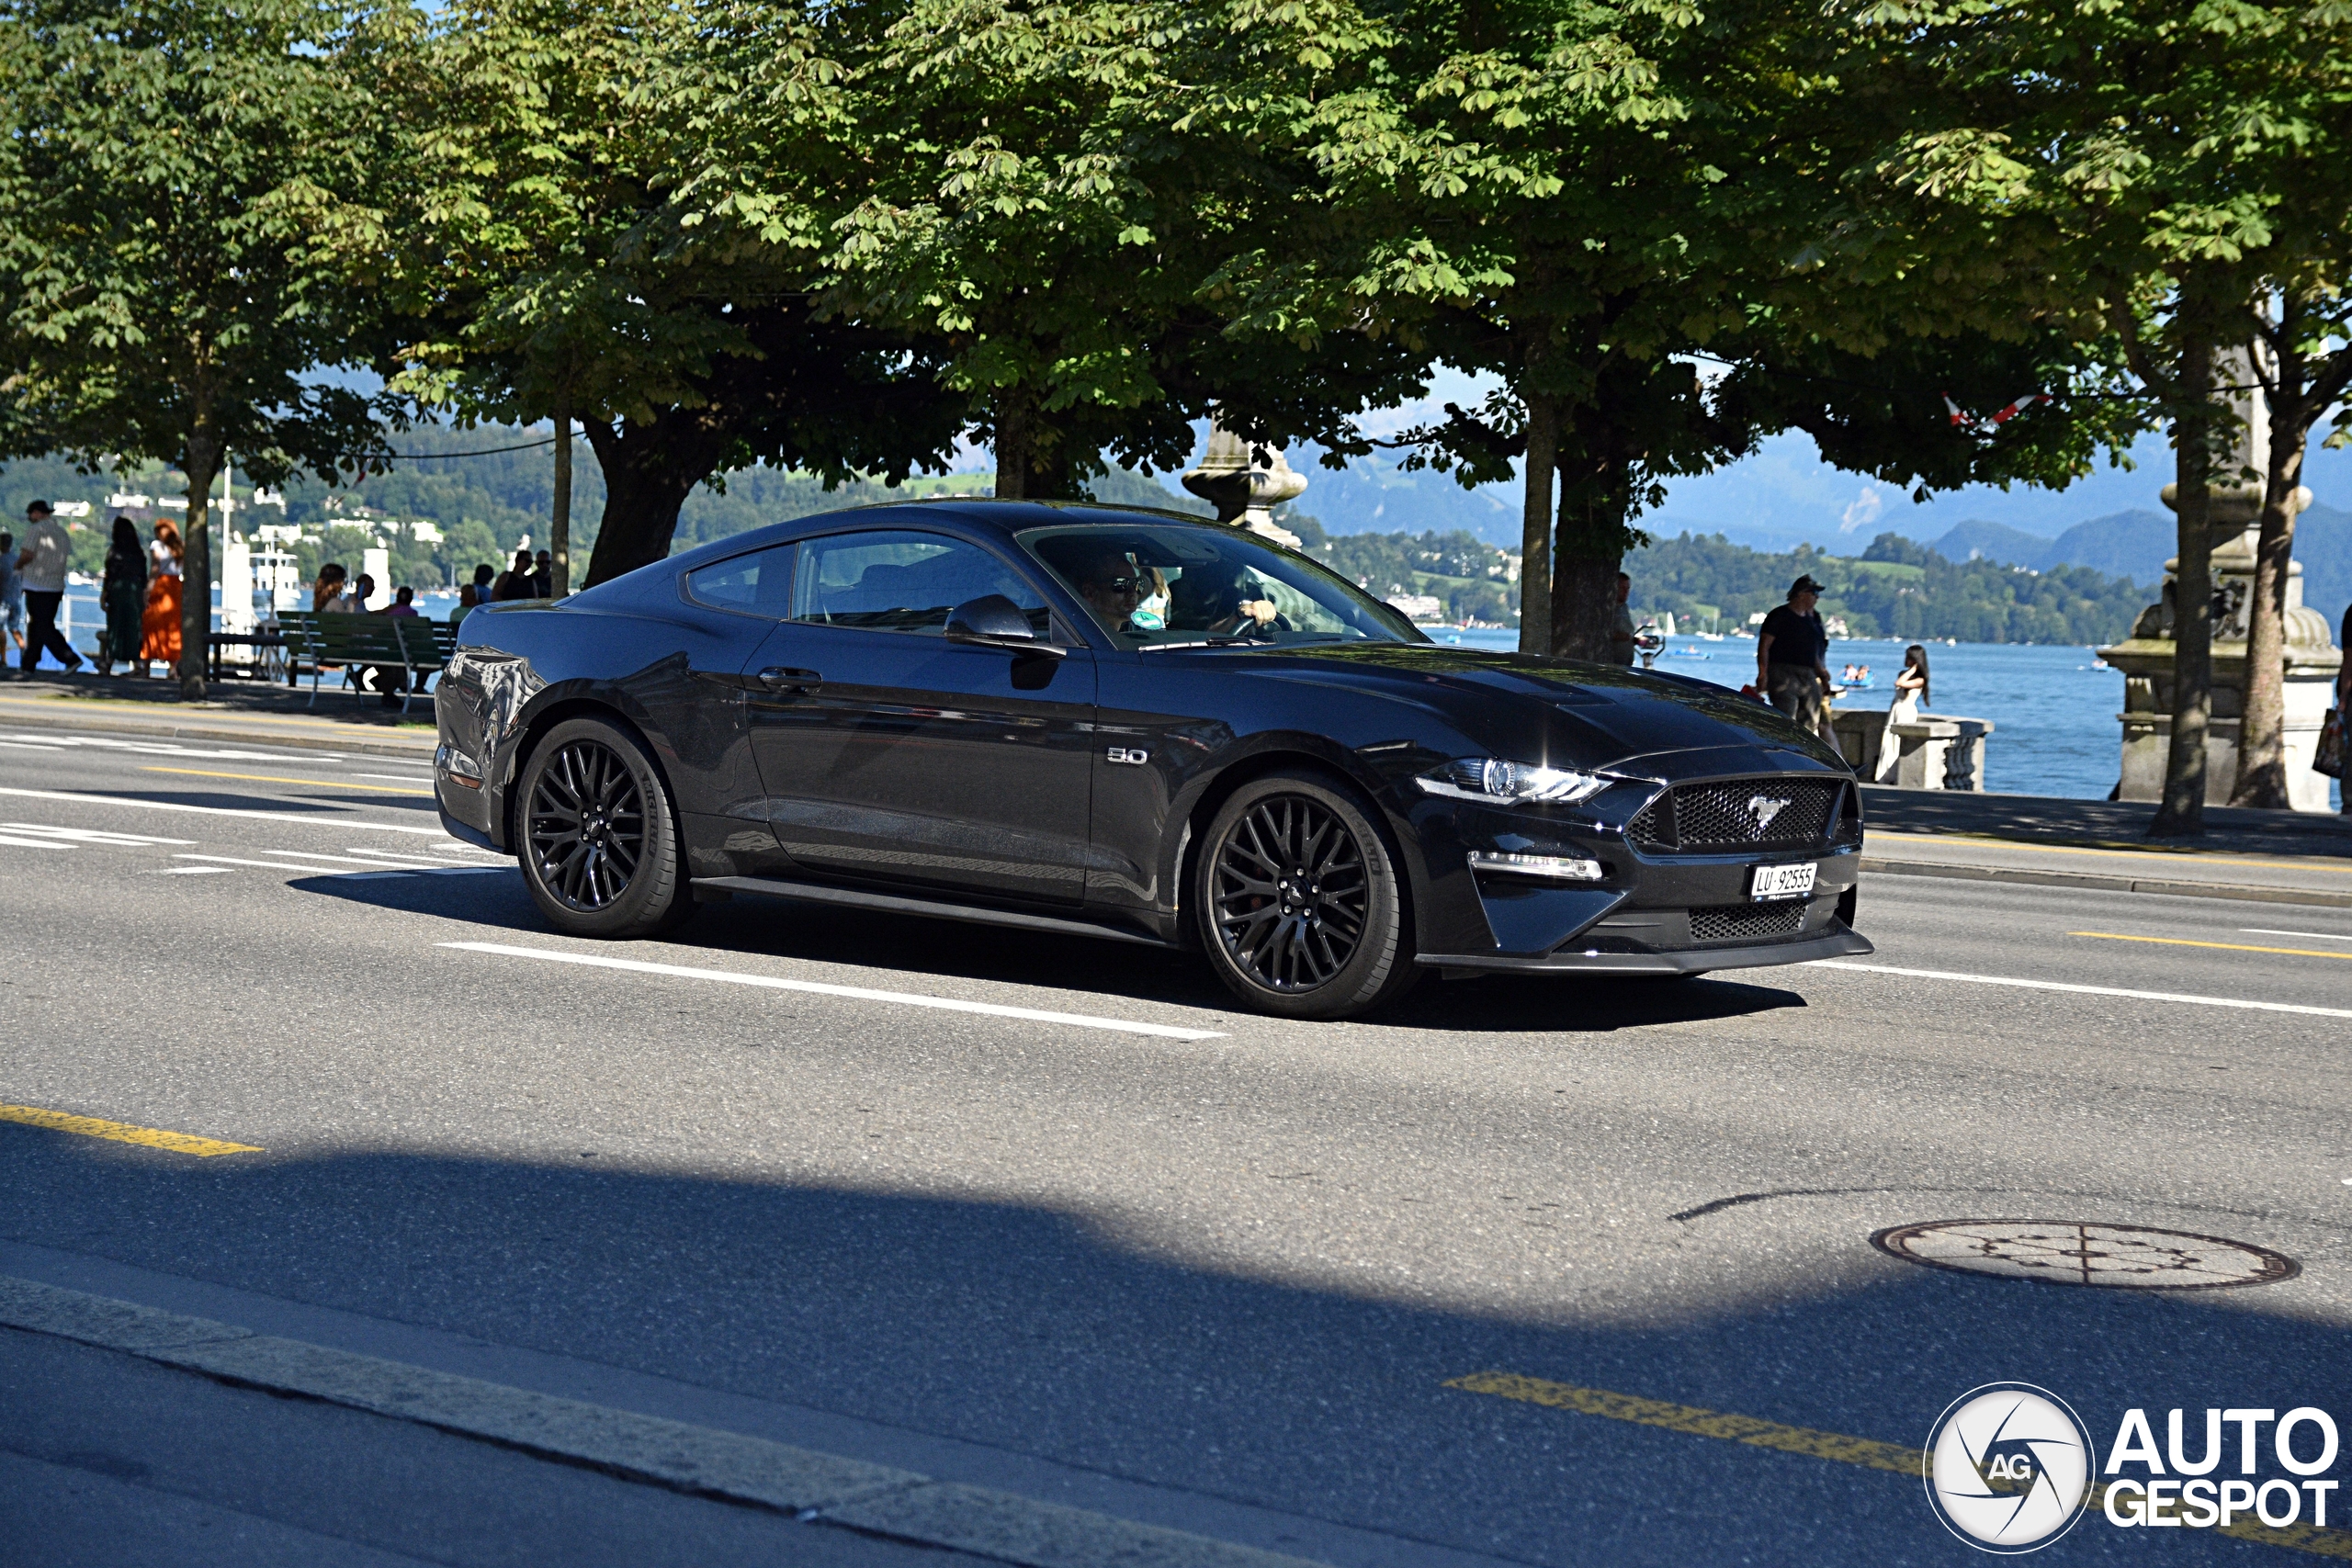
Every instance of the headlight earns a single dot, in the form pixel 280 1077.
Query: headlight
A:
pixel 1496 782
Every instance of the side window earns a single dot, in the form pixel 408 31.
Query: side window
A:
pixel 900 581
pixel 758 583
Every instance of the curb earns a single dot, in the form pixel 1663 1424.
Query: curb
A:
pixel 361 744
pixel 703 1461
pixel 2094 881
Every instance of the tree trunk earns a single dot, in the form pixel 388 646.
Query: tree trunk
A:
pixel 196 560
pixel 559 516
pixel 1536 526
pixel 1012 447
pixel 650 469
pixel 2182 813
pixel 2262 732
pixel 1590 544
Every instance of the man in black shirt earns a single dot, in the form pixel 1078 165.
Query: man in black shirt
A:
pixel 1792 656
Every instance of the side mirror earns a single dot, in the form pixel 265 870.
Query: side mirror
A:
pixel 999 621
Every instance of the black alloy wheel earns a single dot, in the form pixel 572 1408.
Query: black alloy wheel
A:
pixel 587 825
pixel 599 839
pixel 1291 894
pixel 1300 901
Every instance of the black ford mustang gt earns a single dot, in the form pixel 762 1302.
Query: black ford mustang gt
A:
pixel 1136 725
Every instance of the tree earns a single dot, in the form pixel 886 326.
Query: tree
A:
pixel 167 172
pixel 2128 170
pixel 1582 198
pixel 1057 198
pixel 615 213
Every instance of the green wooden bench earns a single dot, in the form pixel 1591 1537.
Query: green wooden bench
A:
pixel 419 646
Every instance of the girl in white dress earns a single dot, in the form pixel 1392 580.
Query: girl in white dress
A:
pixel 1910 692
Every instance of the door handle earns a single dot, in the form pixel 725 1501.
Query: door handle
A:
pixel 775 678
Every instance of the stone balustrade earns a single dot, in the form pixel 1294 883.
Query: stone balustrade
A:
pixel 1932 751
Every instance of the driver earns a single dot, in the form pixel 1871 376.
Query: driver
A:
pixel 1113 586
pixel 1210 599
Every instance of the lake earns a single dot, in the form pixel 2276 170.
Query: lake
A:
pixel 2053 709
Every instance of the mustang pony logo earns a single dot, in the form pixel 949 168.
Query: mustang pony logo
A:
pixel 1764 808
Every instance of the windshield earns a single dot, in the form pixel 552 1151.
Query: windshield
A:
pixel 1160 585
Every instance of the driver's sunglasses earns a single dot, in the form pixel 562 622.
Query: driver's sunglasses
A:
pixel 1116 584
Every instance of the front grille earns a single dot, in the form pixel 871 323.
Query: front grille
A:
pixel 1737 814
pixel 1748 923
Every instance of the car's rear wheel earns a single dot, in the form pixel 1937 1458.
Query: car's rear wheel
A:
pixel 1300 906
pixel 598 835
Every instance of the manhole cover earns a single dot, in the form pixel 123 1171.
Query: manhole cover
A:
pixel 2071 1252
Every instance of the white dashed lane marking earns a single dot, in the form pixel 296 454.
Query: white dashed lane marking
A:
pixel 2078 990
pixel 851 993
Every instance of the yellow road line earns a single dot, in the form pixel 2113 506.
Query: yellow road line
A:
pixel 2224 946
pixel 273 778
pixel 1867 1452
pixel 2195 857
pixel 122 1132
pixel 1699 1423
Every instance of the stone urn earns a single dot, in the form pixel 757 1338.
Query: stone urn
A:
pixel 1244 491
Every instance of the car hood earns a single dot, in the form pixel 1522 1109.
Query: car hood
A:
pixel 1609 712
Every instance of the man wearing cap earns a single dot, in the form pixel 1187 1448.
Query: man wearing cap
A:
pixel 43 562
pixel 1792 656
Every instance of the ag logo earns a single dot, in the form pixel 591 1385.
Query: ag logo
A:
pixel 1764 808
pixel 2008 1468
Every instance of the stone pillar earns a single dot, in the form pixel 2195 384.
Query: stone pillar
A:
pixel 1244 492
pixel 2146 658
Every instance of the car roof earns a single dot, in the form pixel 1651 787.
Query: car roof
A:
pixel 982 515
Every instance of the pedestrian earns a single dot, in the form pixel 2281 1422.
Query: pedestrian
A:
pixel 543 579
pixel 1792 656
pixel 484 575
pixel 122 594
pixel 467 600
pixel 326 593
pixel 363 588
pixel 12 599
pixel 403 601
pixel 514 582
pixel 42 563
pixel 1620 628
pixel 1910 692
pixel 160 622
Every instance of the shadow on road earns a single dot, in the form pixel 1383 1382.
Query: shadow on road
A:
pixel 1077 1335
pixel 916 948
pixel 321 802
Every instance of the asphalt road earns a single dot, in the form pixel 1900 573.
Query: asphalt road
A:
pixel 1218 1276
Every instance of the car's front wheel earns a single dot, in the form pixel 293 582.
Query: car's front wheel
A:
pixel 598 835
pixel 1299 902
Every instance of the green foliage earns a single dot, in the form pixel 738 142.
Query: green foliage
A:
pixel 1897 589
pixel 167 168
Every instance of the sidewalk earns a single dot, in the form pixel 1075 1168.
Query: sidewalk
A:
pixel 2254 856
pixel 236 711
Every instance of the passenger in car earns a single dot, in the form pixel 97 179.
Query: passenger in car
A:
pixel 1112 583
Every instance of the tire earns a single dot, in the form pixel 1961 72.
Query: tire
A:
pixel 1299 906
pixel 598 835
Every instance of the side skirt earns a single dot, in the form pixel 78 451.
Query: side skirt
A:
pixel 933 908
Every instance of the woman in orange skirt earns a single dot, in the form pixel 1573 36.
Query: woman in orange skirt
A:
pixel 160 625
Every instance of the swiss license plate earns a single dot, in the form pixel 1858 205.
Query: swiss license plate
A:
pixel 1783 881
